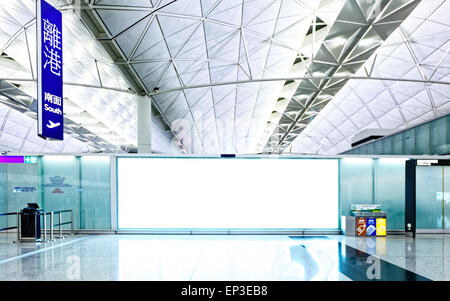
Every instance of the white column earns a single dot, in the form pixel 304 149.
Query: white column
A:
pixel 144 128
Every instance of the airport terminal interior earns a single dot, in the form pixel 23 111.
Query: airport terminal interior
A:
pixel 225 140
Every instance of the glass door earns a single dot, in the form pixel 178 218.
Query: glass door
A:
pixel 429 198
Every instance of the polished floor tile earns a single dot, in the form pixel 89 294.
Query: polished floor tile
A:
pixel 427 255
pixel 226 258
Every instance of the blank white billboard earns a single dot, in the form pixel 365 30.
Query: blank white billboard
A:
pixel 212 193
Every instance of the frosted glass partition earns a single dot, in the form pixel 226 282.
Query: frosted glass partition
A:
pixel 431 138
pixel 356 183
pixel 374 181
pixel 3 203
pixel 433 197
pixel 175 193
pixel 60 183
pixel 429 197
pixel 95 204
pixel 389 177
pixel 295 187
pixel 446 198
pixel 22 187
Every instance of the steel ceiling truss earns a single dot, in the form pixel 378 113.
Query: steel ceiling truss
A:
pixel 89 15
pixel 419 50
pixel 180 104
pixel 360 29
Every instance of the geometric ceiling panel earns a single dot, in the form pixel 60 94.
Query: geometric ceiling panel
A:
pixel 176 45
pixel 359 30
pixel 418 49
pixel 231 76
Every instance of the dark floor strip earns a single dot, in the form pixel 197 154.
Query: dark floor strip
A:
pixel 361 266
pixel 358 265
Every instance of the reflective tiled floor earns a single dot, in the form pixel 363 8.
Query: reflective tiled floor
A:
pixel 145 257
pixel 427 255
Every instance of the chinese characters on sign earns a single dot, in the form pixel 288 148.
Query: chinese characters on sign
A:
pixel 50 72
pixel 52 52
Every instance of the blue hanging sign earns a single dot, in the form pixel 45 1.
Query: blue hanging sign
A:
pixel 50 71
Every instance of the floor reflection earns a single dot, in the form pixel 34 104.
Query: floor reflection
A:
pixel 302 256
pixel 227 258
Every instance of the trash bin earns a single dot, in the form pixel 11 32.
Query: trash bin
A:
pixel 30 221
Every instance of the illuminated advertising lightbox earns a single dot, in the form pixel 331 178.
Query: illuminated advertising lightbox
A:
pixel 195 193
pixel 50 72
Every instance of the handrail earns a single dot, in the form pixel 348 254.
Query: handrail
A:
pixel 54 212
pixel 44 214
pixel 8 213
pixel 8 228
pixel 62 211
pixel 59 224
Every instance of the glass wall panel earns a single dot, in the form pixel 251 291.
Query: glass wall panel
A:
pixel 446 204
pixel 59 183
pixel 378 147
pixel 432 138
pixel 439 136
pixel 83 185
pixel 397 144
pixel 409 142
pixel 429 197
pixel 369 149
pixel 95 206
pixel 423 139
pixel 387 146
pixel 60 186
pixel 22 187
pixel 447 149
pixel 356 183
pixel 390 190
pixel 3 203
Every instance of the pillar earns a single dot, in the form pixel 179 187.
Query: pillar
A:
pixel 144 128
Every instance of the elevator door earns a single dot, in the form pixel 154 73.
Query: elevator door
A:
pixel 433 198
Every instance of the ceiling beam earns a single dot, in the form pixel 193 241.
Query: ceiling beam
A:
pixel 96 26
pixel 298 78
